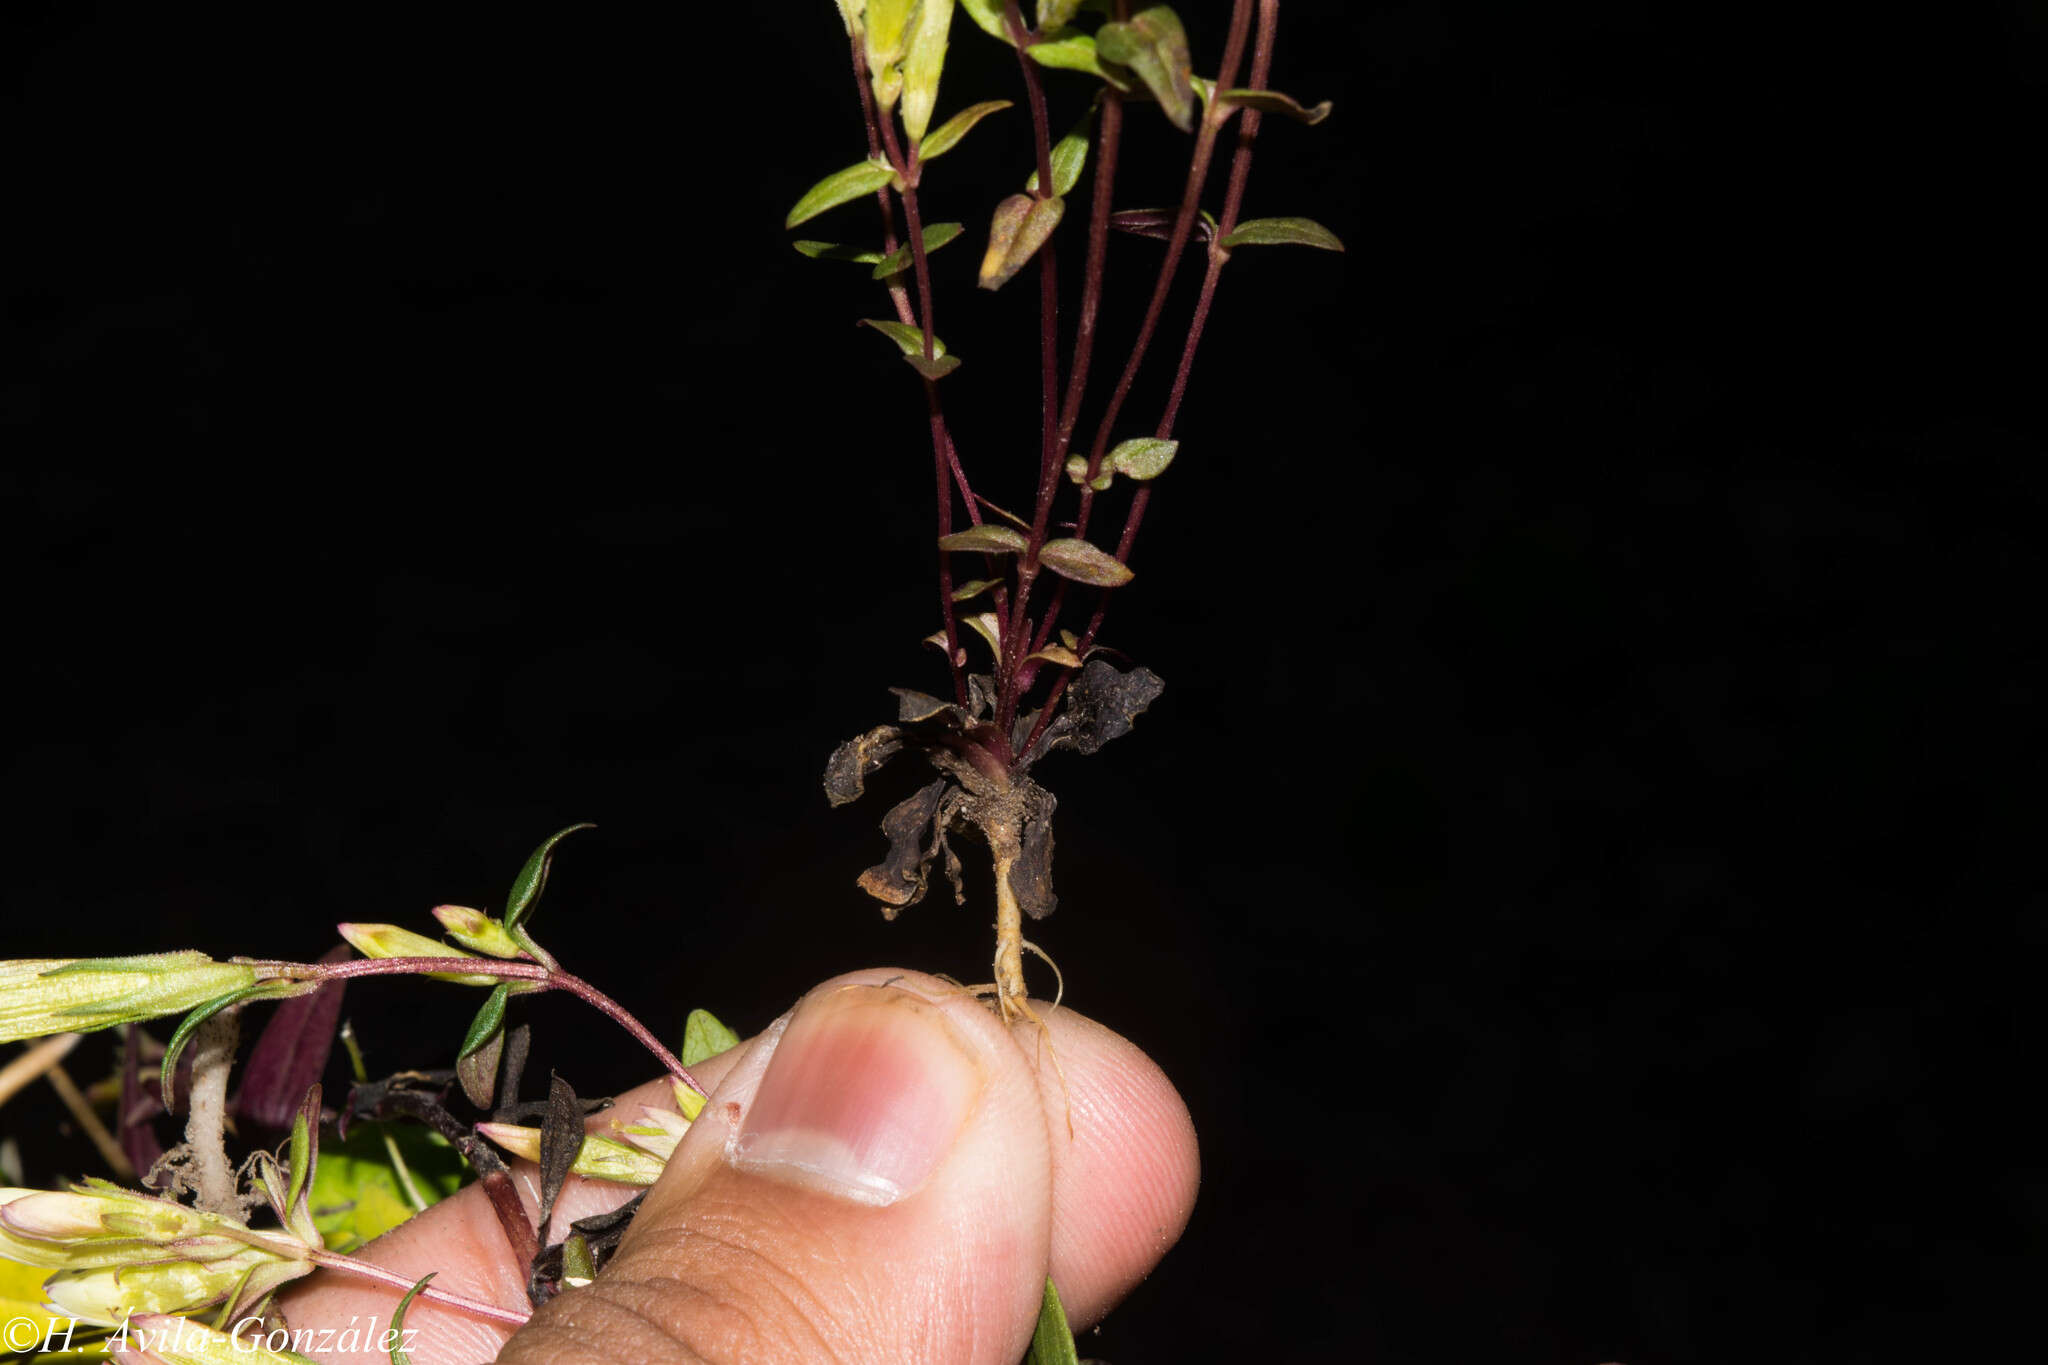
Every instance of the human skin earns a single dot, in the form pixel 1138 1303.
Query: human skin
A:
pixel 886 1172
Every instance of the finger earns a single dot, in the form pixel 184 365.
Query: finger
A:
pixel 953 1264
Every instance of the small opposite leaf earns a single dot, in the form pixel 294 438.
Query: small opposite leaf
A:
pixel 909 339
pixel 935 236
pixel 1283 232
pixel 1077 471
pixel 988 628
pixel 1155 223
pixel 947 135
pixel 1069 156
pixel 533 878
pixel 397 1337
pixel 476 1064
pixel 1077 559
pixel 988 538
pixel 1273 102
pixel 189 1025
pixel 862 177
pixel 1143 458
pixel 1053 13
pixel 1052 1342
pixel 1020 227
pixel 1058 654
pixel 966 592
pixel 832 251
pixel 705 1037
pixel 1155 46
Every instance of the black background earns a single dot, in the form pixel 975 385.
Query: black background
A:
pixel 1582 871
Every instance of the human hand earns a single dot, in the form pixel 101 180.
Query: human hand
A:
pixel 885 1173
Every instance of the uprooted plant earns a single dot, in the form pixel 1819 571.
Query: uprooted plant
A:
pixel 185 1263
pixel 1045 687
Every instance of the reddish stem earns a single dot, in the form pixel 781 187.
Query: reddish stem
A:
pixel 542 976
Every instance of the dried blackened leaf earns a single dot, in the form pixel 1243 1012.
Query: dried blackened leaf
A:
pixel 1100 705
pixel 847 770
pixel 1072 557
pixel 913 706
pixel 561 1136
pixel 291 1053
pixel 1031 874
pixel 981 695
pixel 899 879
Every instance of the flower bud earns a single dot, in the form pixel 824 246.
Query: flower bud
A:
pixel 116 1252
pixel 922 66
pixel 77 995
pixel 599 1158
pixel 476 931
pixel 388 940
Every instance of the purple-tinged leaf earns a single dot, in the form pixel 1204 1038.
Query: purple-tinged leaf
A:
pixel 1020 226
pixel 476 1065
pixel 137 1134
pixel 1077 559
pixel 1273 102
pixel 1283 232
pixel 1155 223
pixel 291 1053
pixel 988 537
pixel 1155 47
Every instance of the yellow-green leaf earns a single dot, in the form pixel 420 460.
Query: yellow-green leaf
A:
pixel 843 186
pixel 943 138
pixel 1283 232
pixel 1073 558
pixel 1143 458
pixel 987 538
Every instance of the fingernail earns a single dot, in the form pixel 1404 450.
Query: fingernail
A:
pixel 864 1096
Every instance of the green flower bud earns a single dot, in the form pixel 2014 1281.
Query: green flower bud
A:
pixel 77 995
pixel 921 68
pixel 476 931
pixel 388 940
pixel 599 1158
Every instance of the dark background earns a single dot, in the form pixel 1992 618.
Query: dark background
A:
pixel 1583 871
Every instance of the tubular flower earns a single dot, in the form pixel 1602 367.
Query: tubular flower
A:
pixel 117 1253
pixel 78 995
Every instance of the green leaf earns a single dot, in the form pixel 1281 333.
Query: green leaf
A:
pixel 988 538
pixel 1069 155
pixel 1052 1342
pixel 533 878
pixel 1283 232
pixel 397 1336
pixel 910 339
pixel 1077 559
pixel 704 1036
pixel 1077 471
pixel 943 138
pixel 967 592
pixel 1155 47
pixel 1273 102
pixel 189 1025
pixel 989 15
pixel 1053 13
pixel 938 367
pixel 476 1062
pixel 1072 50
pixel 862 177
pixel 1020 227
pixel 832 251
pixel 936 235
pixel 378 1178
pixel 1143 458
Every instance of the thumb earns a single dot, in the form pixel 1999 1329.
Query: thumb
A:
pixel 873 1180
